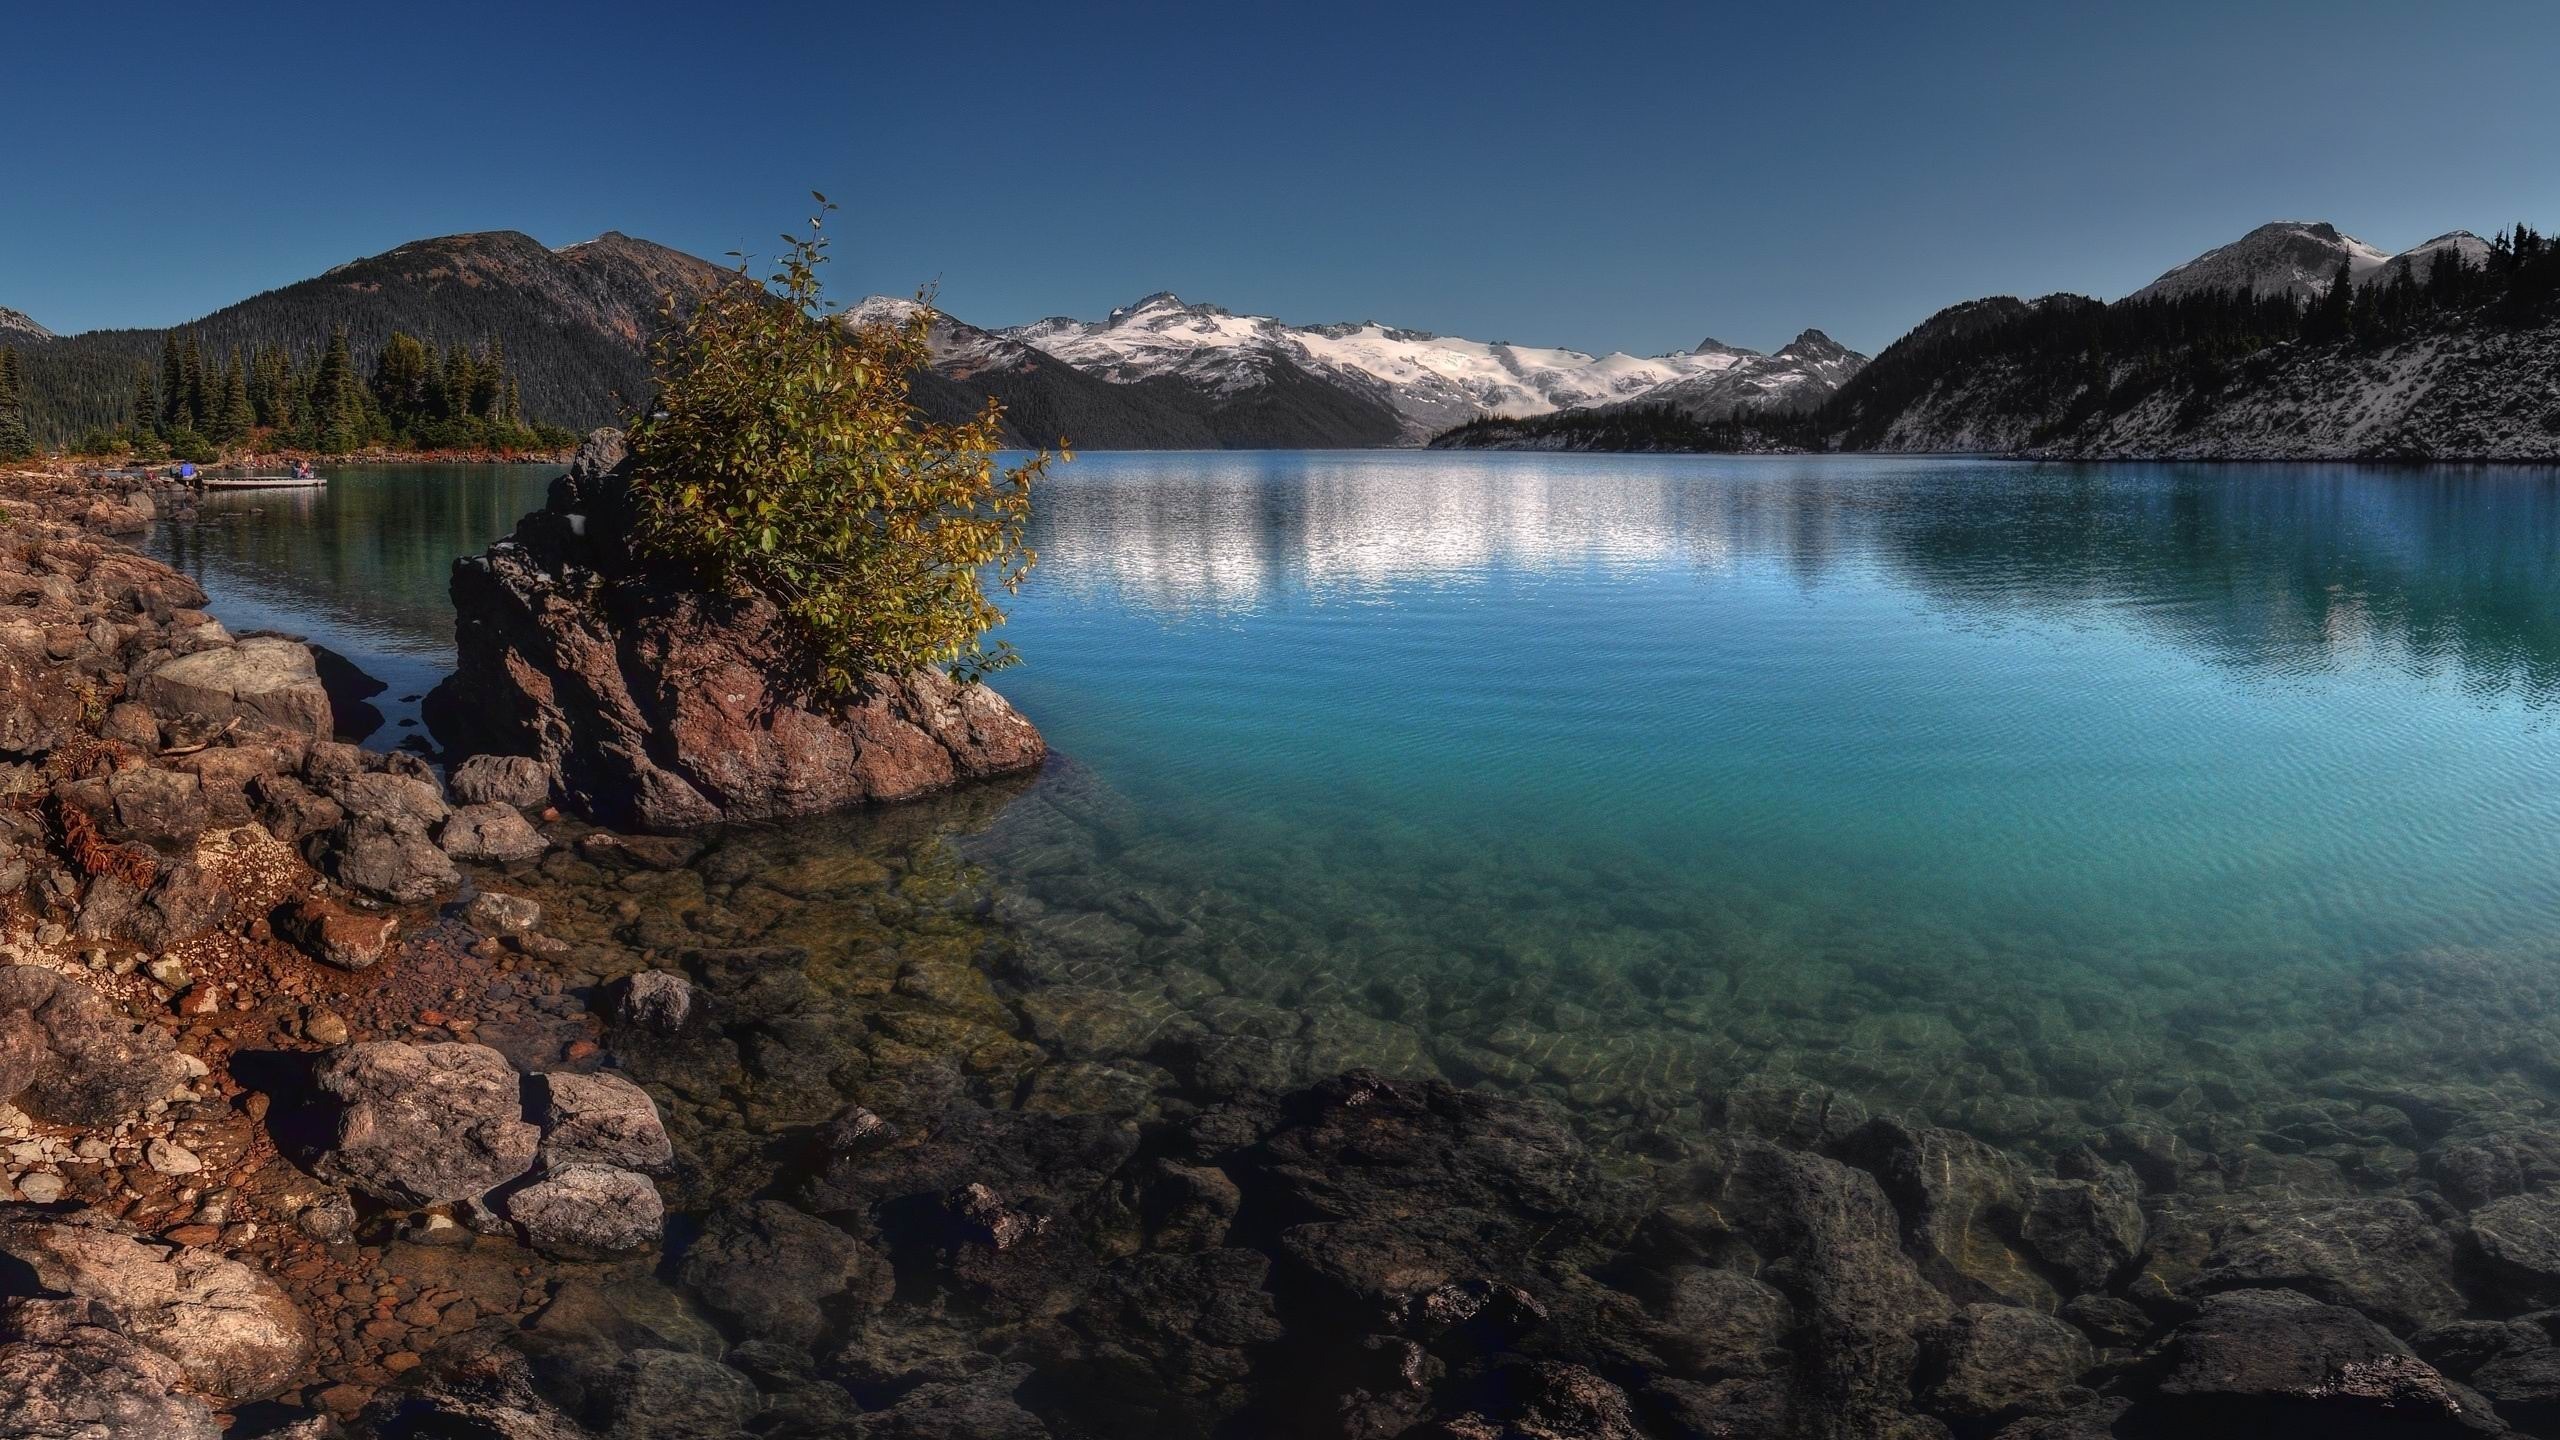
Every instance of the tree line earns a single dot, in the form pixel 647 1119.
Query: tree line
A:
pixel 193 405
pixel 2077 358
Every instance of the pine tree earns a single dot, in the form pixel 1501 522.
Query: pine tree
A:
pixel 146 402
pixel 235 418
pixel 14 441
pixel 337 401
pixel 199 416
pixel 173 384
pixel 2332 316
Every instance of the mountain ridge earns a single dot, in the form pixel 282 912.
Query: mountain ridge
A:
pixel 575 321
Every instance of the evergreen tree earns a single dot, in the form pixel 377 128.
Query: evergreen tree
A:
pixel 199 416
pixel 14 442
pixel 2332 315
pixel 146 402
pixel 337 401
pixel 235 418
pixel 173 384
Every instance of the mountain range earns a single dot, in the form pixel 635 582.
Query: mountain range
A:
pixel 1157 374
pixel 1206 376
pixel 2240 351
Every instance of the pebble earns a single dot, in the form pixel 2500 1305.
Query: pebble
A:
pixel 42 1189
pixel 324 1026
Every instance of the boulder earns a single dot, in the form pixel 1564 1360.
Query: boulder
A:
pixel 67 1374
pixel 656 1001
pixel 770 1272
pixel 2383 1257
pixel 1962 1204
pixel 334 934
pixel 264 677
pixel 518 780
pixel 587 1209
pixel 392 801
pixel 159 807
pixel 68 1056
pixel 399 865
pixel 2518 1241
pixel 425 1124
pixel 1992 1362
pixel 229 1329
pixel 494 833
pixel 650 699
pixel 493 912
pixel 1827 1235
pixel 599 1120
pixel 2293 1365
pixel 2090 1230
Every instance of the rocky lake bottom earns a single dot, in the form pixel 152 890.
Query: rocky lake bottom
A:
pixel 1532 946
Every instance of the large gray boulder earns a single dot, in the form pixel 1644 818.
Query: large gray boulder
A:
pixel 587 1209
pixel 425 1124
pixel 265 677
pixel 599 1120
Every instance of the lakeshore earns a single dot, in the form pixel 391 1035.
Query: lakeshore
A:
pixel 972 1101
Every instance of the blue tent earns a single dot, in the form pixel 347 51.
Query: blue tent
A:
pixel 187 471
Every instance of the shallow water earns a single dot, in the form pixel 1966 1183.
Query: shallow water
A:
pixel 1603 774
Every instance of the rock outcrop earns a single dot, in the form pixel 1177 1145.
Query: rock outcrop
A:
pixel 648 702
pixel 230 1331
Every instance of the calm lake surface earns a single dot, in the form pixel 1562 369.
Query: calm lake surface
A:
pixel 1986 788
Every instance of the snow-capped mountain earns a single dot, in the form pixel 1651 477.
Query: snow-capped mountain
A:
pixel 1430 381
pixel 1804 373
pixel 2301 257
pixel 17 325
pixel 1049 402
pixel 960 350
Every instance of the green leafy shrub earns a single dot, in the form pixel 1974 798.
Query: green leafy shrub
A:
pixel 783 455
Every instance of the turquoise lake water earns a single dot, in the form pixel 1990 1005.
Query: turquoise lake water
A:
pixel 1928 777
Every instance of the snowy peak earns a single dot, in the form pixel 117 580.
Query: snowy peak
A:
pixel 16 325
pixel 2470 248
pixel 1814 347
pixel 1430 381
pixel 959 350
pixel 1801 375
pixel 2301 257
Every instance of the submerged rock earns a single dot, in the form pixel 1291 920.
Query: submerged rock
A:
pixel 647 701
pixel 2293 1365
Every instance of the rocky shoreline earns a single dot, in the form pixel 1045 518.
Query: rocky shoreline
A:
pixel 348 1096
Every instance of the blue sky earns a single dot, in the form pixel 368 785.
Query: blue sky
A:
pixel 1606 176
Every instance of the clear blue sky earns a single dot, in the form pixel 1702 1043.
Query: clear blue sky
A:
pixel 1606 176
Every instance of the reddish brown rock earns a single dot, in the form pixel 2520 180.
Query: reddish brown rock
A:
pixel 650 703
pixel 333 934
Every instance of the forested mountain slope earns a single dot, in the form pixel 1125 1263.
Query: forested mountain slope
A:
pixel 574 324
